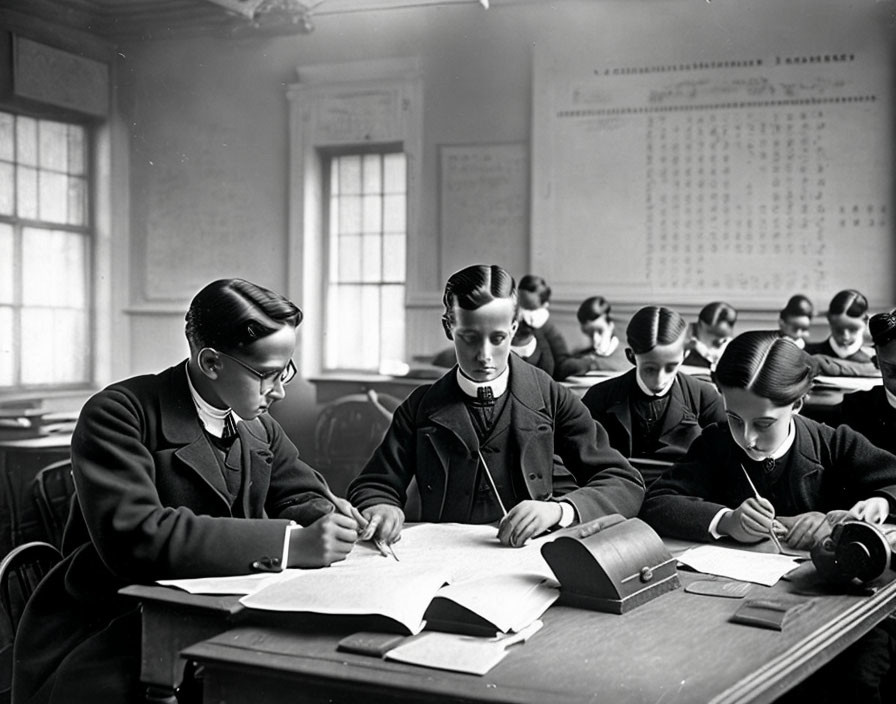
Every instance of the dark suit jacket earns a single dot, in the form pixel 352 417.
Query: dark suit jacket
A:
pixel 432 437
pixel 857 364
pixel 832 469
pixel 152 504
pixel 869 413
pixel 693 405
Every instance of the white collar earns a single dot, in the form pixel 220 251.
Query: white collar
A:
pixel 891 397
pixel 212 418
pixel 647 392
pixel 498 385
pixel 844 352
pixel 785 446
pixel 526 350
pixel 610 349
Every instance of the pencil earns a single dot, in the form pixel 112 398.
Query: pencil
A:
pixel 491 481
pixel 771 530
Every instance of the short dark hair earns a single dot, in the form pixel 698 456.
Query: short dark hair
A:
pixel 652 326
pixel 718 312
pixel 797 306
pixel 593 308
pixel 768 365
pixel 883 328
pixel 537 285
pixel 850 303
pixel 476 285
pixel 229 314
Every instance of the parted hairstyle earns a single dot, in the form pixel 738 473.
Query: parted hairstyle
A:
pixel 883 328
pixel 652 326
pixel 849 302
pixel 594 308
pixel 232 313
pixel 475 286
pixel 797 306
pixel 768 365
pixel 537 285
pixel 718 312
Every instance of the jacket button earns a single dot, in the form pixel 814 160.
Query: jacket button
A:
pixel 532 476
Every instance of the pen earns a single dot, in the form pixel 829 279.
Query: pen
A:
pixel 491 481
pixel 386 549
pixel 771 530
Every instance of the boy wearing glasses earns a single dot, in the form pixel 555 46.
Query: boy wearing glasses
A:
pixel 179 474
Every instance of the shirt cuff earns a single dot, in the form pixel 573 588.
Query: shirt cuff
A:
pixel 286 534
pixel 568 514
pixel 714 523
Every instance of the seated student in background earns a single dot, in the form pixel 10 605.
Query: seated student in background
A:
pixel 710 334
pixel 843 353
pixel 652 411
pixel 605 353
pixel 795 319
pixel 178 474
pixel 494 440
pixel 529 344
pixel 873 412
pixel 535 303
pixel 802 470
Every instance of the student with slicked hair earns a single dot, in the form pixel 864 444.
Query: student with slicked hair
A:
pixel 482 440
pixel 653 411
pixel 843 352
pixel 795 320
pixel 178 474
pixel 710 334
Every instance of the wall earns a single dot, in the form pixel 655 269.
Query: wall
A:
pixel 207 123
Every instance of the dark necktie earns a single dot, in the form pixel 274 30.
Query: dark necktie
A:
pixel 768 464
pixel 229 431
pixel 485 394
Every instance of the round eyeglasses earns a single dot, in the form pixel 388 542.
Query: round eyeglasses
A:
pixel 284 376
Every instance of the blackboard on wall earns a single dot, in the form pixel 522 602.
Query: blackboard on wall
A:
pixel 745 177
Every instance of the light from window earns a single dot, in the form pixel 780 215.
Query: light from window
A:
pixel 365 277
pixel 44 253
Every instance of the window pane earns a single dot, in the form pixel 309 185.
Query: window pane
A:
pixel 53 190
pixel 7 351
pixel 371 263
pixel 343 325
pixel 373 213
pixel 26 192
pixel 76 144
pixel 394 172
pixel 370 329
pixel 7 198
pixel 7 136
pixel 394 219
pixel 54 346
pixel 53 268
pixel 7 252
pixel 77 201
pixel 394 258
pixel 349 258
pixel 373 173
pixel 350 214
pixel 393 323
pixel 53 145
pixel 26 141
pixel 349 175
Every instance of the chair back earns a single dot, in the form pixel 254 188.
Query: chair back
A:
pixel 20 572
pixel 347 432
pixel 53 491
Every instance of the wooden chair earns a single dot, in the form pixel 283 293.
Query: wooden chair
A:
pixel 20 573
pixel 53 491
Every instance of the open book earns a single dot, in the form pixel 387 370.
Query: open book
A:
pixel 450 577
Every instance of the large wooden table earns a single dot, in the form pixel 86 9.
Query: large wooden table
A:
pixel 679 647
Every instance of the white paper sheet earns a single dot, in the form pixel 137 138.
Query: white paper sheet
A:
pixel 747 566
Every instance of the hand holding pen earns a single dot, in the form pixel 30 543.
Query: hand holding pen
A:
pixel 383 524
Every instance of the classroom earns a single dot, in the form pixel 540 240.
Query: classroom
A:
pixel 352 155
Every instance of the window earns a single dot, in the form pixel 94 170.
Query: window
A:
pixel 365 249
pixel 45 246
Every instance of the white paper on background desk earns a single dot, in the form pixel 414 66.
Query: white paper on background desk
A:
pixel 747 566
pixel 240 584
pixel 847 383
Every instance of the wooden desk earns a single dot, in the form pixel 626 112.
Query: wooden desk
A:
pixel 679 647
pixel 172 620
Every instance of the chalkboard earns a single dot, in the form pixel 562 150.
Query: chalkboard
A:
pixel 744 177
pixel 483 206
